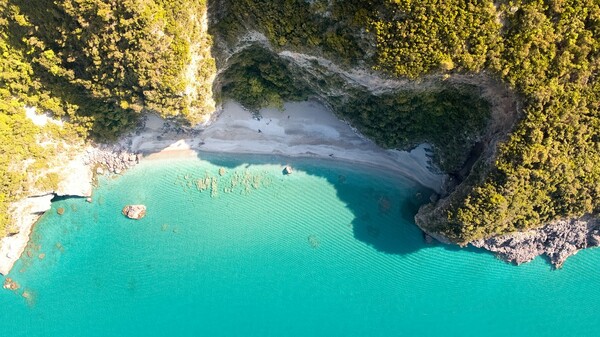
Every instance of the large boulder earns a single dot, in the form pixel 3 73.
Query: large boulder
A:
pixel 135 212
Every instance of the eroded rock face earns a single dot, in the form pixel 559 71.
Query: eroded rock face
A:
pixel 24 214
pixel 558 240
pixel 135 212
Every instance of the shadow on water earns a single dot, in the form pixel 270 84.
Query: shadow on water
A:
pixel 383 222
pixel 383 216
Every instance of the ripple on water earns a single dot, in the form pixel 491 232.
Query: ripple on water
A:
pixel 248 251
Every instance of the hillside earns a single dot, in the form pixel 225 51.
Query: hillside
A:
pixel 402 72
pixel 545 51
pixel 94 66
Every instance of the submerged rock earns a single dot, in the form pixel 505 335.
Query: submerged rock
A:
pixel 10 284
pixel 314 241
pixel 135 212
pixel 428 238
pixel 60 211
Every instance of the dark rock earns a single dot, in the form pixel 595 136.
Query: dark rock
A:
pixel 428 238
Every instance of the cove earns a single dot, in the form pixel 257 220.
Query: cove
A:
pixel 330 250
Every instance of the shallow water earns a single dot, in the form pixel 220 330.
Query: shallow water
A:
pixel 330 250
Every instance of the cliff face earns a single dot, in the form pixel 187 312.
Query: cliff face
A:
pixel 557 240
pixel 496 111
pixel 501 119
pixel 94 67
pixel 452 113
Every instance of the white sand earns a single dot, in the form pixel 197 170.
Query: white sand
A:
pixel 305 129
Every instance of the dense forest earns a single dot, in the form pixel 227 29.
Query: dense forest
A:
pixel 97 64
pixel 546 51
pixel 94 65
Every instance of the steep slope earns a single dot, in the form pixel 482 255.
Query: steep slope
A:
pixel 94 67
pixel 546 51
pixel 507 92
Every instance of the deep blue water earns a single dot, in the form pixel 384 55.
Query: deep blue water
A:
pixel 330 250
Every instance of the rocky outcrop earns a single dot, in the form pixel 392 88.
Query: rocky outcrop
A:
pixel 135 212
pixel 75 180
pixel 111 159
pixel 557 240
pixel 24 213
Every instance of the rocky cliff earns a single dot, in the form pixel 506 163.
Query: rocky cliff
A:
pixel 462 83
pixel 488 161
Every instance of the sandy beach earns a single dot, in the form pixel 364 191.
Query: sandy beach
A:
pixel 302 129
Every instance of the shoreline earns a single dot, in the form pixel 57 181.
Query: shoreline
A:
pixel 190 154
pixel 301 130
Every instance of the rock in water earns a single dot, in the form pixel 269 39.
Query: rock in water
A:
pixel 135 212
pixel 314 241
pixel 10 284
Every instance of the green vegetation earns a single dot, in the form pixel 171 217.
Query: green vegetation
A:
pixel 18 135
pixel 105 62
pixel 451 118
pixel 549 167
pixel 301 25
pixel 417 37
pixel 258 78
pixel 546 50
pixel 95 65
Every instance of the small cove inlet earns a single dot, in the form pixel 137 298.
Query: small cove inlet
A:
pixel 231 246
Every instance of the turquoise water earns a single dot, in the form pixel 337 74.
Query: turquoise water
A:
pixel 330 250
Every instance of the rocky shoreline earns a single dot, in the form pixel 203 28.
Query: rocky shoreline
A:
pixel 111 159
pixel 77 179
pixel 557 240
pixel 234 131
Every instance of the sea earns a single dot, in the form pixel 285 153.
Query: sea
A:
pixel 232 246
